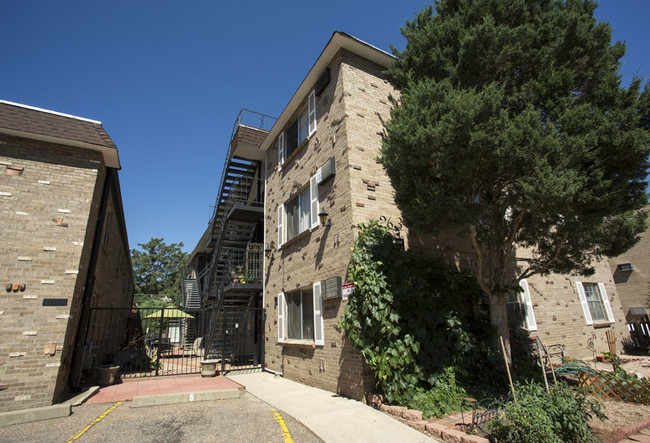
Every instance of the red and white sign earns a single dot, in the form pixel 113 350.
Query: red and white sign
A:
pixel 347 290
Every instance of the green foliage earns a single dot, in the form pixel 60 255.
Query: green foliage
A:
pixel 561 415
pixel 149 301
pixel 515 130
pixel 441 399
pixel 525 361
pixel 159 268
pixel 407 319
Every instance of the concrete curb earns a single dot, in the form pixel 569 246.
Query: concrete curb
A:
pixel 34 414
pixel 81 398
pixel 185 397
pixel 630 430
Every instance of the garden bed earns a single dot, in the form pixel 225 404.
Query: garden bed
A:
pixel 620 415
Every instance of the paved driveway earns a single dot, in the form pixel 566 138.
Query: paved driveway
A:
pixel 244 419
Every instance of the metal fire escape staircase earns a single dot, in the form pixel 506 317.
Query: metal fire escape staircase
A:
pixel 233 227
pixel 234 274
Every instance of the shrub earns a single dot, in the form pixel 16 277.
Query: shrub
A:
pixel 561 415
pixel 442 399
pixel 414 323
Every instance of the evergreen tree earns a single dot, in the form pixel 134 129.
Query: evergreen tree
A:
pixel 517 134
pixel 159 268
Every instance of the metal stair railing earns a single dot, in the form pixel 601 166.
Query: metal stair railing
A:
pixel 237 194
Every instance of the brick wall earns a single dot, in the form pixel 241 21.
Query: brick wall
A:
pixel 49 201
pixel 113 285
pixel 634 286
pixel 321 253
pixel 350 115
pixel 557 308
pixel 560 318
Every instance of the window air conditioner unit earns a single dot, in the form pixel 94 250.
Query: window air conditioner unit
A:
pixel 322 82
pixel 637 310
pixel 327 170
pixel 331 288
pixel 625 267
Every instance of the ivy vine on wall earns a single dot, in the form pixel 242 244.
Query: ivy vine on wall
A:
pixel 417 323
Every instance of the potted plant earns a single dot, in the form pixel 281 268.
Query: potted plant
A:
pixel 107 373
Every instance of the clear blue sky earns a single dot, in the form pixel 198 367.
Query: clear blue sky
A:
pixel 168 78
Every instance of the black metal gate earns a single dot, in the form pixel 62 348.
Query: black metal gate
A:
pixel 146 342
pixel 237 339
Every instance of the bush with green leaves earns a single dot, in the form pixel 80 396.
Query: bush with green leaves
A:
pixel 443 398
pixel 409 319
pixel 561 415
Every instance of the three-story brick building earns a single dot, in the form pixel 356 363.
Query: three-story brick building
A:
pixel 321 158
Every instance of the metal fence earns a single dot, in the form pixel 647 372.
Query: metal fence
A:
pixel 148 342
pixel 237 342
pixel 144 342
pixel 639 334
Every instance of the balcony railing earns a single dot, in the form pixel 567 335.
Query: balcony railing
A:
pixel 253 119
pixel 244 268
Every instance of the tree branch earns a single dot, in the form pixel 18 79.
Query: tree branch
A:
pixel 479 256
pixel 546 265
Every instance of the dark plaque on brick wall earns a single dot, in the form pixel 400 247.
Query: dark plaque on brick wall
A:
pixel 55 302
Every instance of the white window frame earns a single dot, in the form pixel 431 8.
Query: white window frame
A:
pixel 311 221
pixel 313 197
pixel 604 298
pixel 281 145
pixel 525 305
pixel 281 225
pixel 319 338
pixel 319 330
pixel 282 308
pixel 309 114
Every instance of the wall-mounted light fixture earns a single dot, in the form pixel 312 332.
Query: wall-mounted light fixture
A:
pixel 267 251
pixel 322 215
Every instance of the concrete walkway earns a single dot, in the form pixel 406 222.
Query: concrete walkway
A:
pixel 132 388
pixel 332 418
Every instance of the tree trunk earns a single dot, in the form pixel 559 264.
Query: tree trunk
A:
pixel 499 320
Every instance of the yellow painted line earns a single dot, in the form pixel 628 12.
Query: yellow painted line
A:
pixel 283 426
pixel 95 421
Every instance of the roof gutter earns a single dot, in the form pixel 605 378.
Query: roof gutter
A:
pixel 110 155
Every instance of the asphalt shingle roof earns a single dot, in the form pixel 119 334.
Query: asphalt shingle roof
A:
pixel 35 121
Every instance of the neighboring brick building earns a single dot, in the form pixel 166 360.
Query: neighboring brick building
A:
pixel 64 248
pixel 321 156
pixel 631 272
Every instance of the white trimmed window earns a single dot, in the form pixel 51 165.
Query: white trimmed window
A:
pixel 595 302
pixel 299 129
pixel 300 315
pixel 520 308
pixel 299 213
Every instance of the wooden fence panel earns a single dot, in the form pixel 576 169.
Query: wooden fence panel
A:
pixel 608 386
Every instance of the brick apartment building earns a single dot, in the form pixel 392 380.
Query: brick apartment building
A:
pixel 631 272
pixel 63 249
pixel 321 156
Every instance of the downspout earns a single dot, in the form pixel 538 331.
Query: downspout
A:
pixel 276 373
pixel 80 348
pixel 264 260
